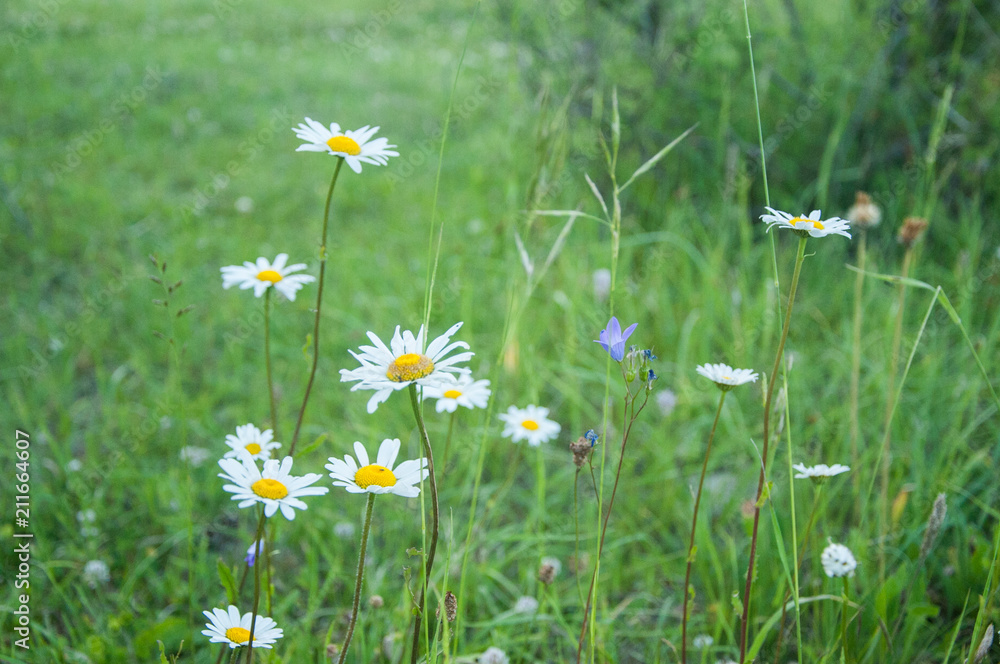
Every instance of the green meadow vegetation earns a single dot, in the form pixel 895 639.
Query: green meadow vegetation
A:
pixel 155 139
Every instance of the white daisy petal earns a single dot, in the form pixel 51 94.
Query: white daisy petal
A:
pixel 380 477
pixel 228 626
pixel 531 424
pixel 274 486
pixel 263 275
pixel 726 377
pixel 354 147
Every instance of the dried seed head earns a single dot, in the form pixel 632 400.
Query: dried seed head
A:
pixel 332 650
pixel 938 513
pixel 984 646
pixel 912 230
pixel 864 213
pixel 547 573
pixel 450 607
pixel 581 450
pixel 376 602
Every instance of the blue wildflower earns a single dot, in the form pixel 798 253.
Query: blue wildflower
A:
pixel 613 339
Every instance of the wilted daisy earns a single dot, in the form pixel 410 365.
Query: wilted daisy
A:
pixel 820 471
pixel 864 213
pixel 263 275
pixel 385 369
pixel 726 377
pixel 362 476
pixel 810 225
pixel 461 390
pixel 227 626
pixel 248 437
pixel 354 146
pixel 838 561
pixel 531 424
pixel 274 486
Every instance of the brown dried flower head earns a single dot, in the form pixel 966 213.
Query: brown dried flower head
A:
pixel 864 213
pixel 547 573
pixel 376 602
pixel 912 230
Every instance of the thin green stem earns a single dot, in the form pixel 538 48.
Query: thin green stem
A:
pixel 319 305
pixel 267 360
pixel 756 104
pixel 256 585
pixel 435 516
pixel 843 623
pixel 856 356
pixel 576 532
pixel 694 525
pixel 268 542
pixel 359 579
pixel 799 259
pixel 447 441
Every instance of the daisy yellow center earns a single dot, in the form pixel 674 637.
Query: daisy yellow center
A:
pixel 410 366
pixel 374 474
pixel 238 635
pixel 345 145
pixel 272 489
pixel 726 378
pixel 452 394
pixel 269 275
pixel 817 225
pixel 253 448
pixel 530 425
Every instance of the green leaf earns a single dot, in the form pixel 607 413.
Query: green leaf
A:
pixel 312 446
pixel 227 580
pixel 657 157
pixel 765 494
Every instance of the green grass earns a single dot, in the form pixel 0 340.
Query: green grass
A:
pixel 216 91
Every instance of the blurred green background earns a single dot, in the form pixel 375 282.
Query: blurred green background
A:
pixel 130 129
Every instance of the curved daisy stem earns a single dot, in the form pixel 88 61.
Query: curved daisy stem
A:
pixel 360 577
pixel 267 360
pixel 694 524
pixel 771 382
pixel 319 306
pixel 425 440
pixel 256 585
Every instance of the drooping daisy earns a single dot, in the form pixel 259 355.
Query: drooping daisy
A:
pixel 362 476
pixel 820 471
pixel 248 437
pixel 726 377
pixel 838 561
pixel 385 369
pixel 461 390
pixel 273 486
pixel 354 146
pixel 263 275
pixel 227 626
pixel 810 225
pixel 531 424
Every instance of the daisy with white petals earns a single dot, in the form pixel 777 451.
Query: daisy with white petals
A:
pixel 531 424
pixel 228 626
pixel 838 561
pixel 362 476
pixel 354 147
pixel 404 361
pixel 820 471
pixel 248 437
pixel 811 225
pixel 263 275
pixel 274 486
pixel 461 390
pixel 726 377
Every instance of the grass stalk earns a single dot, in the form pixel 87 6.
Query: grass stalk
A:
pixel 256 586
pixel 267 361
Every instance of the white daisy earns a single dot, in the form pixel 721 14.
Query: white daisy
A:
pixel 362 476
pixel 229 627
pixel 460 390
pixel 248 437
pixel 820 471
pixel 274 485
pixel 530 423
pixel 526 604
pixel 263 275
pixel 811 225
pixel 354 146
pixel 389 368
pixel 726 377
pixel 494 655
pixel 838 561
pixel 195 455
pixel 702 641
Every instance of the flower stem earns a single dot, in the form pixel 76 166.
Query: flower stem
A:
pixel 771 381
pixel 319 306
pixel 256 585
pixel 856 356
pixel 694 524
pixel 425 440
pixel 360 577
pixel 447 441
pixel 843 622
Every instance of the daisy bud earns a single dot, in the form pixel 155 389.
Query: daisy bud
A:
pixel 912 230
pixel 864 213
pixel 376 602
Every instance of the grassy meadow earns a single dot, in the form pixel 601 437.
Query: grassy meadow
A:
pixel 131 130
